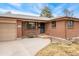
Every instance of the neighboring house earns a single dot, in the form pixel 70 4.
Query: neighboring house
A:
pixel 14 26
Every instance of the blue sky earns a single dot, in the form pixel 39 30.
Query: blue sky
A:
pixel 35 8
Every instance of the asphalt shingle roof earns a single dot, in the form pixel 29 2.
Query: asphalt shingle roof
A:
pixel 24 16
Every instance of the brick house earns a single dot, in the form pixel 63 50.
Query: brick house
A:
pixel 14 26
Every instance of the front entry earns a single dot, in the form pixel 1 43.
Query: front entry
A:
pixel 42 27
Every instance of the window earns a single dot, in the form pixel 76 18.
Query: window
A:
pixel 54 24
pixel 24 25
pixel 30 25
pixel 70 24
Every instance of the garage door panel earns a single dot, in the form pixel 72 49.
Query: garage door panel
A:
pixel 7 32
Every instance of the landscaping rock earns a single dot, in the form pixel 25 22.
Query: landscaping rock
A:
pixel 75 40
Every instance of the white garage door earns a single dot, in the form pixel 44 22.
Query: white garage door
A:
pixel 7 31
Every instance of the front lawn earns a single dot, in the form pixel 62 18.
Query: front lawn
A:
pixel 58 49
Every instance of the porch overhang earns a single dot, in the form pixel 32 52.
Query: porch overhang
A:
pixel 33 20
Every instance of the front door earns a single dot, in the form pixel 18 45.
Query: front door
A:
pixel 42 27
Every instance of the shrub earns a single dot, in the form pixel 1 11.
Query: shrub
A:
pixel 31 35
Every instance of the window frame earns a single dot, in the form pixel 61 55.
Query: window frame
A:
pixel 31 25
pixel 53 24
pixel 70 24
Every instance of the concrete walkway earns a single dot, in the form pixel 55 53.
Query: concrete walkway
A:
pixel 24 47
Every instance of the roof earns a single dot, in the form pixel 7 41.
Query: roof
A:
pixel 24 16
pixel 65 18
pixel 38 18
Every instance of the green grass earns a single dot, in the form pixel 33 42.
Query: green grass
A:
pixel 60 49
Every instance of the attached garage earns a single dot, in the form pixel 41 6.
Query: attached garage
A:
pixel 8 30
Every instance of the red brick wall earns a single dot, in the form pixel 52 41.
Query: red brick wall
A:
pixel 73 32
pixel 59 31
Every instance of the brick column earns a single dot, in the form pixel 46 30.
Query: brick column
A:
pixel 19 28
pixel 36 28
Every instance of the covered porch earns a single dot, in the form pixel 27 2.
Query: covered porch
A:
pixel 31 28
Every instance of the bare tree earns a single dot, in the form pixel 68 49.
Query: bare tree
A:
pixel 68 13
pixel 71 13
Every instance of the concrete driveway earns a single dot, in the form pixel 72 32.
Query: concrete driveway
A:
pixel 24 47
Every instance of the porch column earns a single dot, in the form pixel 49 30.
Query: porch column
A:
pixel 36 28
pixel 19 28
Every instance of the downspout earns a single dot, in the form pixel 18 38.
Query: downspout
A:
pixel 65 31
